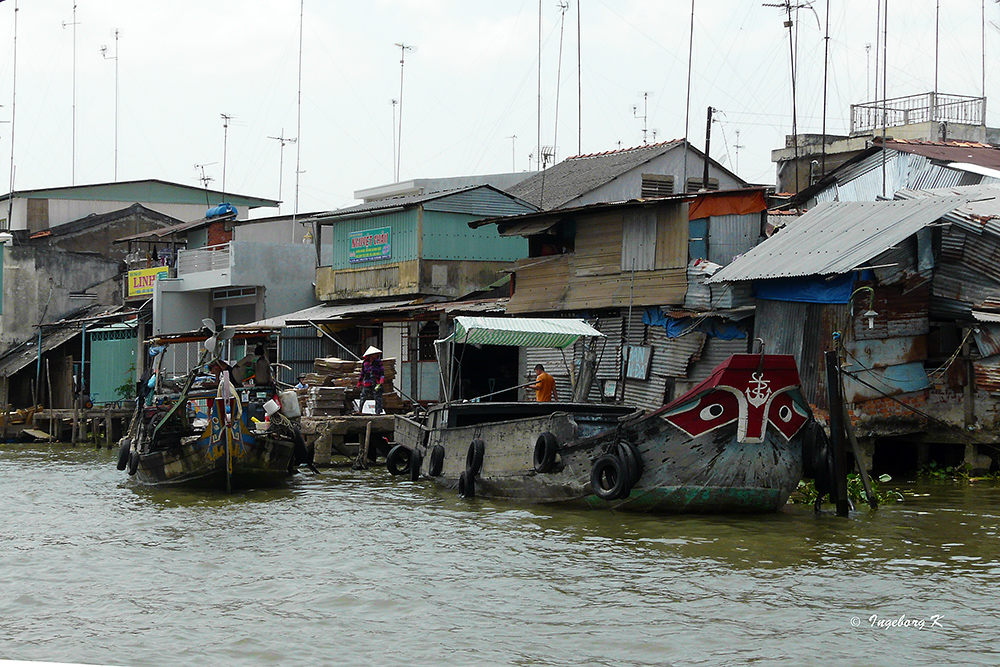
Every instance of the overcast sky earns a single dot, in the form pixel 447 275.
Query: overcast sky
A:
pixel 469 85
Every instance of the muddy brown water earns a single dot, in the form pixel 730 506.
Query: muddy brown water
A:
pixel 364 569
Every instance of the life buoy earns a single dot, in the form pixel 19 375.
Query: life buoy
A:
pixel 546 447
pixel 467 485
pixel 474 459
pixel 133 462
pixel 123 453
pixel 608 477
pixel 397 461
pixel 435 462
pixel 416 460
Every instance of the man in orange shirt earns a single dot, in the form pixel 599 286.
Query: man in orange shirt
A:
pixel 545 385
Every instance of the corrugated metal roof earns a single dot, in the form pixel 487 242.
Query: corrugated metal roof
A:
pixel 28 353
pixel 472 205
pixel 836 237
pixel 981 214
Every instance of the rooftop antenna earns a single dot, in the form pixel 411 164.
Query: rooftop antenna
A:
pixel 579 82
pixel 789 23
pixel 73 23
pixel 563 6
pixel 13 107
pixel 737 146
pixel 403 48
pixel 282 139
pixel 868 71
pixel 394 103
pixel 513 153
pixel 687 99
pixel 104 53
pixel 225 142
pixel 643 117
pixel 205 180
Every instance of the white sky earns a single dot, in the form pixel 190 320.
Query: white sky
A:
pixel 470 84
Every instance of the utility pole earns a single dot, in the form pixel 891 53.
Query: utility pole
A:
pixel 708 145
pixel 513 152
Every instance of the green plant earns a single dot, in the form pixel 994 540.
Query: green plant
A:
pixel 806 492
pixel 126 390
pixel 934 471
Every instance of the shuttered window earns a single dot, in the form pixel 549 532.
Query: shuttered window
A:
pixel 656 185
pixel 695 184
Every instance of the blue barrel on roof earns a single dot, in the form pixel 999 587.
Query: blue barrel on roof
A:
pixel 221 209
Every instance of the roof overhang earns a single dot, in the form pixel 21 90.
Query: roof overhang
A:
pixel 520 331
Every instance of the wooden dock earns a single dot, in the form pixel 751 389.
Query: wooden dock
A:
pixel 99 425
pixel 345 435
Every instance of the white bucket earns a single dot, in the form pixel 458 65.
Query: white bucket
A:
pixel 271 407
pixel 290 404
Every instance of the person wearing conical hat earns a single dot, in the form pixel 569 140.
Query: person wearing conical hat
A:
pixel 372 378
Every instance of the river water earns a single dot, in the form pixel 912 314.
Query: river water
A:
pixel 358 568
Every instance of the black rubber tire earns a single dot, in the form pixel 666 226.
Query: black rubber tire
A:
pixel 416 460
pixel 629 454
pixel 546 447
pixel 608 477
pixel 474 459
pixel 123 453
pixel 467 485
pixel 435 461
pixel 397 461
pixel 133 462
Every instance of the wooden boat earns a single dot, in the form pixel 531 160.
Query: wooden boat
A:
pixel 730 444
pixel 229 450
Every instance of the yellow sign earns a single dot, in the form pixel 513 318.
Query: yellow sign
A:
pixel 140 282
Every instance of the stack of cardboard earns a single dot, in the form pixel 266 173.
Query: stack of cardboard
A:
pixel 333 387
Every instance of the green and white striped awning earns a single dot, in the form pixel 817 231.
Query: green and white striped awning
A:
pixel 519 331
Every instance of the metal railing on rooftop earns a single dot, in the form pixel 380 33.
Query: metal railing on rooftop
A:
pixel 209 258
pixel 922 108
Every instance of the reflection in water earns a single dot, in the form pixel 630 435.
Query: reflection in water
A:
pixel 361 568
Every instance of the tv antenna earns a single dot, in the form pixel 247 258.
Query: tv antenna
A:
pixel 788 6
pixel 282 139
pixel 104 53
pixel 394 102
pixel 225 141
pixel 205 180
pixel 73 23
pixel 736 148
pixel 403 48
pixel 643 117
pixel 548 155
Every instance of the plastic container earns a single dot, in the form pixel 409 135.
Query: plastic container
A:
pixel 290 404
pixel 271 407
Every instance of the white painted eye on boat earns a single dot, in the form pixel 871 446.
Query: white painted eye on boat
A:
pixel 713 411
pixel 784 413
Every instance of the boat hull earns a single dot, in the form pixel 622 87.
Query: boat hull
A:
pixel 706 452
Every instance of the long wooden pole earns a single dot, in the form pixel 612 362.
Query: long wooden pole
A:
pixel 834 395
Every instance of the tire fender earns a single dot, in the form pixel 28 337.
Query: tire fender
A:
pixel 397 461
pixel 474 459
pixel 608 477
pixel 546 447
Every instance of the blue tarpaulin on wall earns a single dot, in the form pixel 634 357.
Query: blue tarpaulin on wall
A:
pixel 808 289
pixel 713 327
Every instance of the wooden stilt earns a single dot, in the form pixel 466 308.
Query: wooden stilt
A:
pixel 834 396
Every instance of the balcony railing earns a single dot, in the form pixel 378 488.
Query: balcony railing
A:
pixel 923 108
pixel 209 258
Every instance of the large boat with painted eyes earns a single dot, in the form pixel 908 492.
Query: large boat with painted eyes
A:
pixel 733 443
